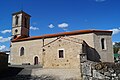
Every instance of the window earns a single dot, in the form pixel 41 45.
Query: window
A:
pixel 103 43
pixel 22 51
pixel 61 53
pixel 16 22
pixel 15 37
pixel 16 31
pixel 25 22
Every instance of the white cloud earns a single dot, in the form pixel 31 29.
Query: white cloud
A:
pixel 4 39
pixel 34 28
pixel 113 43
pixel 6 31
pixel 63 25
pixel 115 30
pixel 100 0
pixel 2 47
pixel 51 26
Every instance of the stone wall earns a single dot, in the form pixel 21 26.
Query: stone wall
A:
pixel 47 52
pixel 100 71
pixel 95 48
pixel 106 54
pixel 32 49
pixel 72 48
pixel 46 49
pixel 3 62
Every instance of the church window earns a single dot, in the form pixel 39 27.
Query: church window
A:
pixel 103 45
pixel 16 21
pixel 25 22
pixel 61 53
pixel 22 51
pixel 15 37
pixel 16 31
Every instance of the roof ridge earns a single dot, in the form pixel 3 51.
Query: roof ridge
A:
pixel 62 34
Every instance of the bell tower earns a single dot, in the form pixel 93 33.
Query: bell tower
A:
pixel 20 24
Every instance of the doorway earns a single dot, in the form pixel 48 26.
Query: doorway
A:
pixel 36 60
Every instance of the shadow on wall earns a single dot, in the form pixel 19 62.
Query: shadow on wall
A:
pixel 93 55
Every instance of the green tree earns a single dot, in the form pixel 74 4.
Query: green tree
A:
pixel 116 47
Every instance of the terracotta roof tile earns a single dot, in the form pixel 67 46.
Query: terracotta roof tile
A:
pixel 61 34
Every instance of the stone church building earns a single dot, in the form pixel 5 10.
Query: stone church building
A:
pixel 60 50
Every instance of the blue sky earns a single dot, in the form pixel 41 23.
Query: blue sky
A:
pixel 53 16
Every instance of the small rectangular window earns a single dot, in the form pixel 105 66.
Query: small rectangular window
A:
pixel 61 54
pixel 16 22
pixel 103 43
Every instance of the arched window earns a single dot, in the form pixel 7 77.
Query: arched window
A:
pixel 36 60
pixel 16 21
pixel 103 43
pixel 22 51
pixel 15 37
pixel 25 22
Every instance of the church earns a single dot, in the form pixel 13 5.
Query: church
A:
pixel 60 50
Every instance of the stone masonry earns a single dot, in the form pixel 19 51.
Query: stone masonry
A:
pixel 100 71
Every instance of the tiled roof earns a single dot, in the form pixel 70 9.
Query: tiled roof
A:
pixel 61 34
pixel 21 12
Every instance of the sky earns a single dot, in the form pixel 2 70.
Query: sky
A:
pixel 54 16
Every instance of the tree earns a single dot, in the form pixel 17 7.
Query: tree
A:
pixel 116 47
